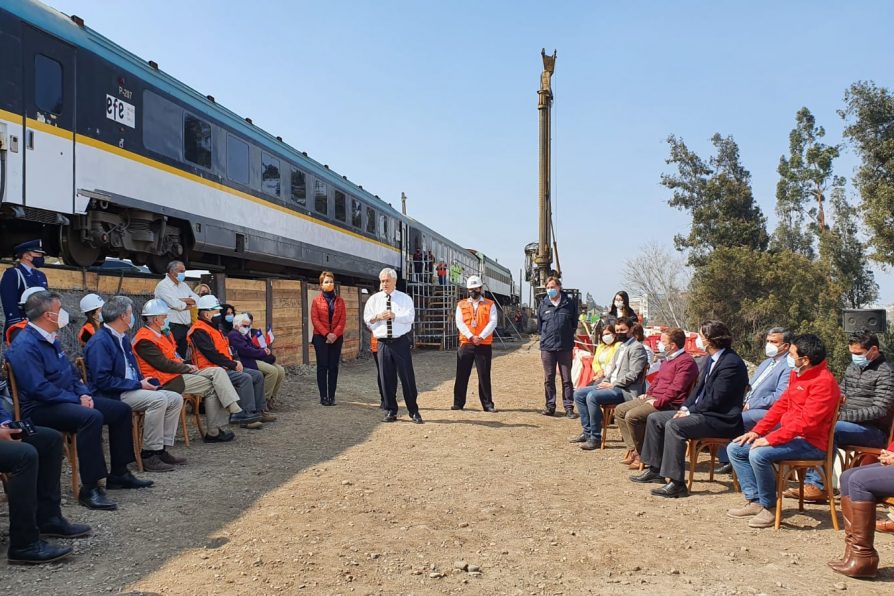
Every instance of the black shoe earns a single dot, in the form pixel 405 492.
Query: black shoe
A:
pixel 330 402
pixel 671 490
pixel 549 412
pixel 456 407
pixel 581 438
pixel 223 436
pixel 724 469
pixel 416 418
pixel 570 414
pixel 95 498
pixel 126 480
pixel 389 417
pixel 591 444
pixel 37 552
pixel 648 477
pixel 490 408
pixel 59 527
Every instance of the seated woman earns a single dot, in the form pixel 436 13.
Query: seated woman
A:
pixel 861 489
pixel 91 306
pixel 261 359
pixel 227 315
pixel 605 351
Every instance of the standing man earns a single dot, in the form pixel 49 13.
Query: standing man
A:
pixel 18 278
pixel 180 299
pixel 442 272
pixel 476 319
pixel 390 315
pixel 557 316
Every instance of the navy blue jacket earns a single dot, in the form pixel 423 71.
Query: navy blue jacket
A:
pixel 43 374
pixel 557 324
pixel 4 415
pixel 107 367
pixel 12 288
pixel 722 391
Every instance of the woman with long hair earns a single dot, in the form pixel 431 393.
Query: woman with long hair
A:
pixel 328 315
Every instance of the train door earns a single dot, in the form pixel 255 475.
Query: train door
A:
pixel 49 122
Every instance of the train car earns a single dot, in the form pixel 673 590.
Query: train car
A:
pixel 103 154
pixel 442 248
pixel 496 278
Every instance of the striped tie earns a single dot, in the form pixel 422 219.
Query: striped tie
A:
pixel 390 334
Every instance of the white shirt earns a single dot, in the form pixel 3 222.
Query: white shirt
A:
pixel 404 314
pixel 50 337
pixel 129 373
pixel 615 368
pixel 488 329
pixel 172 292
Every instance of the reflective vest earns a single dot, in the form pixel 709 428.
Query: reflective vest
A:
pixel 86 333
pixel 373 344
pixel 166 344
pixel 442 269
pixel 14 330
pixel 220 344
pixel 476 321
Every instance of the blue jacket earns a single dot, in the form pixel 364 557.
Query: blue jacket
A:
pixel 765 395
pixel 106 365
pixel 718 395
pixel 557 324
pixel 11 289
pixel 43 374
pixel 4 415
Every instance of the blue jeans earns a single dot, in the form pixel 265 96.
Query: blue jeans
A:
pixel 750 418
pixel 589 401
pixel 754 467
pixel 851 433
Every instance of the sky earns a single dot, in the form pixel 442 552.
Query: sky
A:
pixel 439 100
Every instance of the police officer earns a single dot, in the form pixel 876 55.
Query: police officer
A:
pixel 18 278
pixel 476 319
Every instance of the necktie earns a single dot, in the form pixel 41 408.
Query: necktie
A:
pixel 390 334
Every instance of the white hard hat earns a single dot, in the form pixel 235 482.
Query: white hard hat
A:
pixel 30 292
pixel 91 302
pixel 154 308
pixel 208 302
pixel 473 282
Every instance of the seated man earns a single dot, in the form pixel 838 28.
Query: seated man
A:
pixel 803 415
pixel 33 464
pixel 51 394
pixel 713 410
pixel 670 389
pixel 210 348
pixel 156 354
pixel 625 382
pixel 867 406
pixel 113 373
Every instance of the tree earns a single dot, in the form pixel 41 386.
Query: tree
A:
pixel 661 277
pixel 869 118
pixel 846 256
pixel 717 194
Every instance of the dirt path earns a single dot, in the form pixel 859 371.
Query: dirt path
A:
pixel 332 501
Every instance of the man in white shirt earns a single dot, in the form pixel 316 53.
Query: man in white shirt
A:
pixel 180 299
pixel 476 319
pixel 390 315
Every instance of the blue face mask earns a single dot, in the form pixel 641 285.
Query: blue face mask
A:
pixel 166 328
pixel 860 360
pixel 181 277
pixel 552 292
pixel 100 317
pixel 133 320
pixel 229 318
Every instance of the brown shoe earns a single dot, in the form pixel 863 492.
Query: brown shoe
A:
pixel 628 457
pixel 863 559
pixel 154 464
pixel 636 464
pixel 884 525
pixel 812 494
pixel 267 417
pixel 169 458
pixel 750 509
pixel 764 519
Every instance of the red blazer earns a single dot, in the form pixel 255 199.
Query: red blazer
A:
pixel 319 316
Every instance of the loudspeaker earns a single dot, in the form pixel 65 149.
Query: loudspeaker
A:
pixel 873 320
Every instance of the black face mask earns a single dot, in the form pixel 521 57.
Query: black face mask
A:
pixel 215 320
pixel 37 262
pixel 476 294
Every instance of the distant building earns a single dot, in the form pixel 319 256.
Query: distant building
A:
pixel 640 304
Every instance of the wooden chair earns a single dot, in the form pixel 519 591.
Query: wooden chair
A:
pixel 137 420
pixel 194 401
pixel 69 442
pixel 712 445
pixel 852 455
pixel 608 410
pixel 786 467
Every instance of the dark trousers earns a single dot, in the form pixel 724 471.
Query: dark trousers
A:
pixel 328 358
pixel 379 380
pixel 550 361
pixel 179 331
pixel 88 423
pixel 664 449
pixel 396 362
pixel 466 356
pixel 33 465
pixel 868 483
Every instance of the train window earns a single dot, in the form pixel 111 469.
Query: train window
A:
pixel 197 141
pixel 383 227
pixel 370 220
pixel 396 232
pixel 270 174
pixel 237 160
pixel 321 197
pixel 356 213
pixel 47 84
pixel 299 188
pixel 341 206
pixel 162 125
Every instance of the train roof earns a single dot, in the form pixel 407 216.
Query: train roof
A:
pixel 489 261
pixel 64 27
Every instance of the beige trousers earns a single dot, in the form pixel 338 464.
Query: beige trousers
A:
pixel 162 415
pixel 215 386
pixel 273 378
pixel 631 420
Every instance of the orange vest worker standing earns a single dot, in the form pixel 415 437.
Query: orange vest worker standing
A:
pixel 476 319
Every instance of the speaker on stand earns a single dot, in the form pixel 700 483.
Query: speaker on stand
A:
pixel 871 319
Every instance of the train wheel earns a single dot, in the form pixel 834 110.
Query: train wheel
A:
pixel 74 252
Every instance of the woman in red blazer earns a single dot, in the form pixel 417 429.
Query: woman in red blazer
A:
pixel 327 313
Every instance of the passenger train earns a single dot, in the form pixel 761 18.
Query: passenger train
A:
pixel 104 154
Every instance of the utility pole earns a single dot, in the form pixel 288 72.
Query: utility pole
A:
pixel 403 203
pixel 543 259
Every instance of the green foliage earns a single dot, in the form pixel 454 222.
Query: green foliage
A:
pixel 869 118
pixel 718 196
pixel 845 256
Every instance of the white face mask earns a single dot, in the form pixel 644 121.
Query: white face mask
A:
pixel 62 319
pixel 771 350
pixel 661 347
pixel 608 339
pixel 244 330
pixel 700 343
pixel 619 304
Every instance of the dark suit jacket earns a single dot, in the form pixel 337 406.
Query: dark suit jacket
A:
pixel 722 391
pixel 106 365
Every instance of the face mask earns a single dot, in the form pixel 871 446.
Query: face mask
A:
pixel 790 360
pixel 476 294
pixel 860 360
pixel 700 343
pixel 552 292
pixel 62 319
pixel 165 328
pixel 619 304
pixel 661 347
pixel 229 318
pixel 37 262
pixel 133 321
pixel 771 350
pixel 181 277
pixel 244 330
pixel 215 320
pixel 100 316
pixel 608 339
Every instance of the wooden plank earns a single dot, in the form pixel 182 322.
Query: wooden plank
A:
pixel 287 321
pixel 249 295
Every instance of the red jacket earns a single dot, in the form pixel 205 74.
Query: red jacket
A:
pixel 319 316
pixel 673 382
pixel 805 409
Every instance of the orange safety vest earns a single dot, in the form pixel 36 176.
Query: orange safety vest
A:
pixel 476 321
pixel 442 269
pixel 15 327
pixel 87 330
pixel 373 344
pixel 220 344
pixel 166 344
